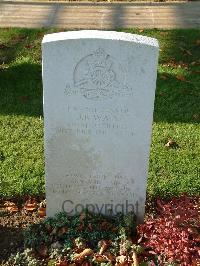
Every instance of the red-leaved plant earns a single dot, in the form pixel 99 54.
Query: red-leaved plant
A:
pixel 174 234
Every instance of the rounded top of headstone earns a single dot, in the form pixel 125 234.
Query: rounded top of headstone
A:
pixel 98 34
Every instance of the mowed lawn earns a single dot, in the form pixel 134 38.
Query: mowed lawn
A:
pixel 172 170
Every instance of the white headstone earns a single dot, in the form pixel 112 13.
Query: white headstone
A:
pixel 99 91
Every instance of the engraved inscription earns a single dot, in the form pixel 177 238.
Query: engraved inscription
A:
pixel 93 184
pixel 98 121
pixel 98 76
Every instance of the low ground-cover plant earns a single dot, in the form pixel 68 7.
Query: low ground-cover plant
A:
pixel 91 238
pixel 173 234
pixel 169 236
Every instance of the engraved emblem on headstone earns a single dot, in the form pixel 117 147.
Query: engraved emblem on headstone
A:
pixel 98 76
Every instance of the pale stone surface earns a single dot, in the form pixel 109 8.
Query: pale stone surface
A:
pixel 98 105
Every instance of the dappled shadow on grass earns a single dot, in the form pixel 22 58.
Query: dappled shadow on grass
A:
pixel 178 44
pixel 15 42
pixel 177 100
pixel 10 49
pixel 178 90
pixel 21 90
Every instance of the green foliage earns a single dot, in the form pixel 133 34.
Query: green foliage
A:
pixel 81 230
pixel 36 235
pixel 177 114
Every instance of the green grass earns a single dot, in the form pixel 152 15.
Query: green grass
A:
pixel 172 171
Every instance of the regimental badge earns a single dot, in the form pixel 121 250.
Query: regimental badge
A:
pixel 98 76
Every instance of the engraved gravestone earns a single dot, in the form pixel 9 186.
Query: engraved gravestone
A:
pixel 99 91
